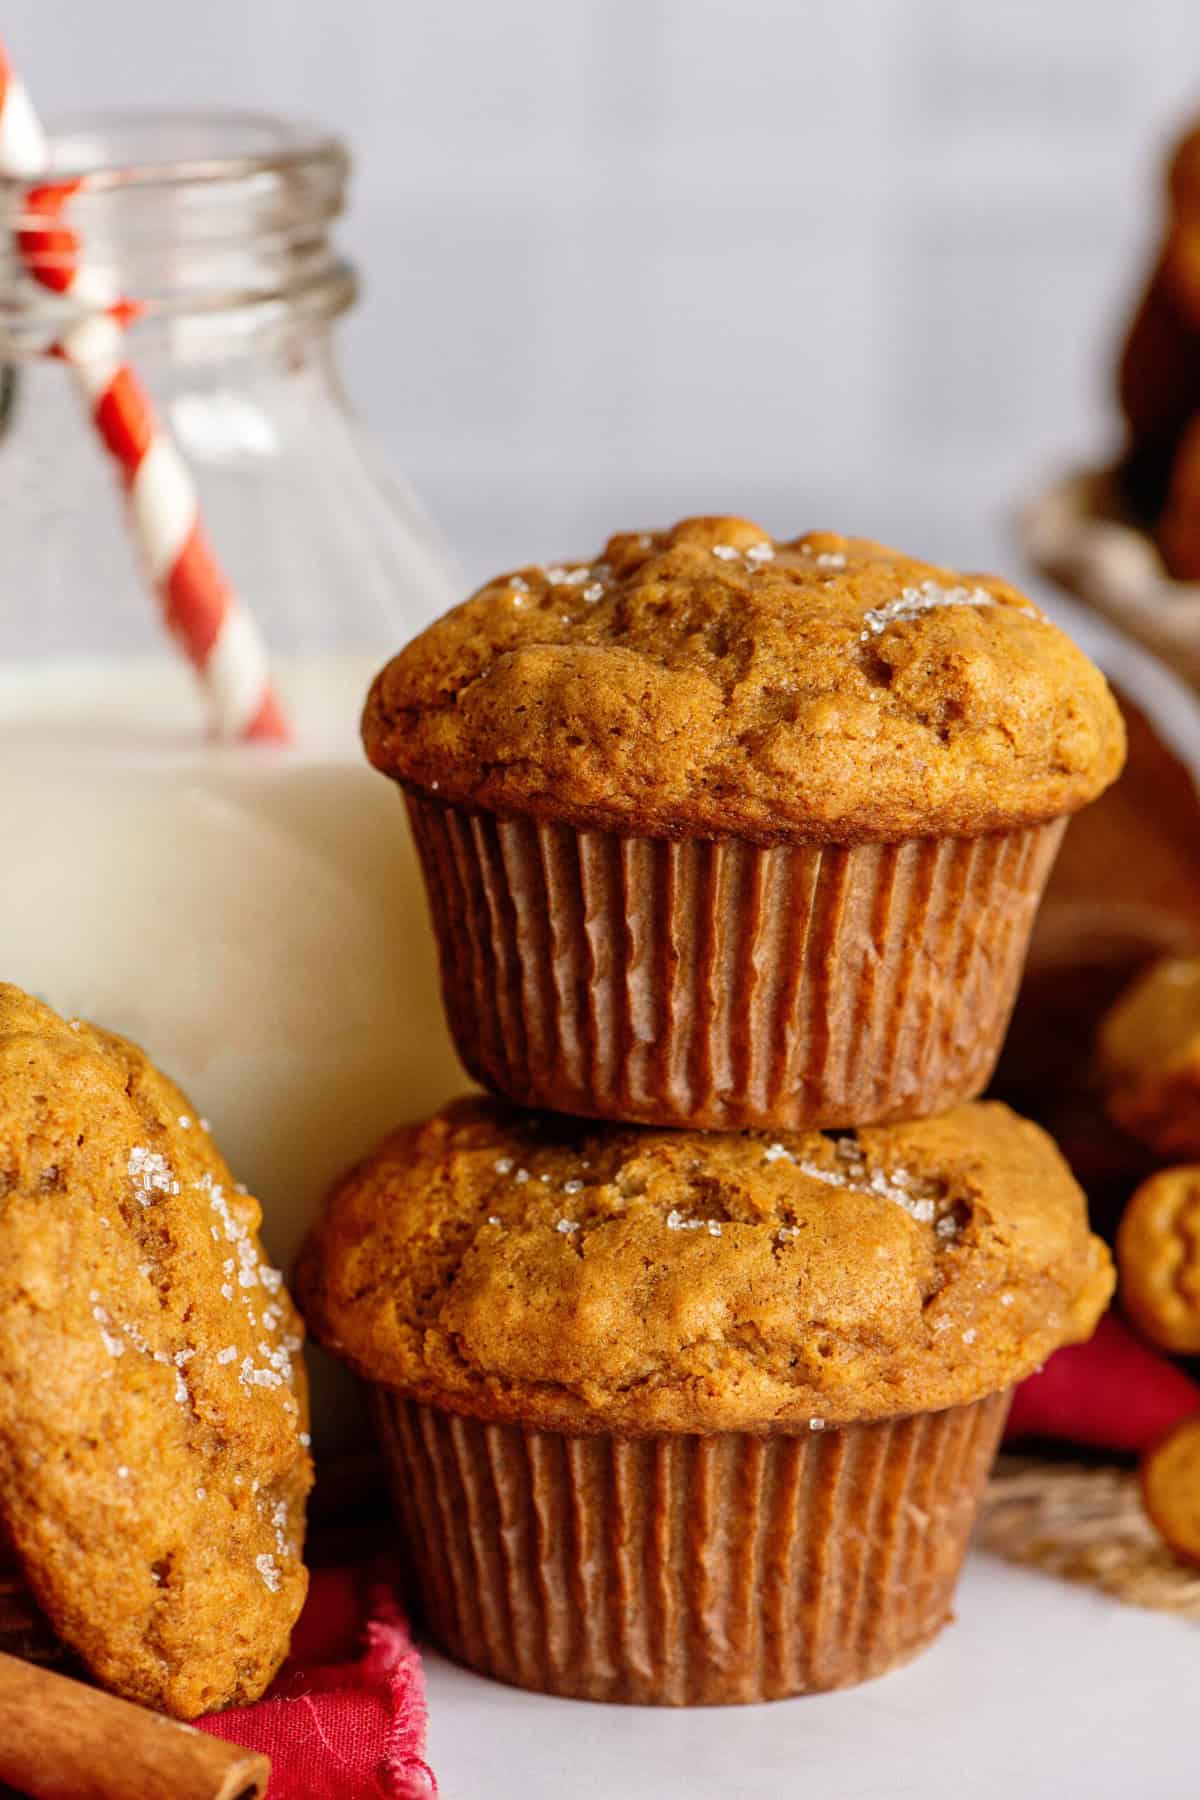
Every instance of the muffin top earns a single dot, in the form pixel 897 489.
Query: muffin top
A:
pixel 601 1278
pixel 708 681
pixel 153 1459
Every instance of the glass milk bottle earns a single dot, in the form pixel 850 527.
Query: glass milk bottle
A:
pixel 252 915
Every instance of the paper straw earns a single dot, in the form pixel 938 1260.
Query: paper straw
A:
pixel 200 607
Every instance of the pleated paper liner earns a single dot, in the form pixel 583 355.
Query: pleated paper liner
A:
pixel 686 1571
pixel 723 984
pixel 1086 1524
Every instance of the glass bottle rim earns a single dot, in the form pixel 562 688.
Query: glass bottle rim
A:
pixel 117 148
pixel 192 212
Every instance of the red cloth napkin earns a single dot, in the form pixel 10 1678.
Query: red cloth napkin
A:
pixel 1114 1393
pixel 345 1717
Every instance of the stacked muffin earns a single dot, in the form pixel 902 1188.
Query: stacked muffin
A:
pixel 690 1378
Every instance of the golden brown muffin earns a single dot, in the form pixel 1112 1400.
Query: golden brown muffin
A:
pixel 723 832
pixel 153 1459
pixel 1148 1055
pixel 622 1280
pixel 1158 1259
pixel 678 1419
pixel 709 681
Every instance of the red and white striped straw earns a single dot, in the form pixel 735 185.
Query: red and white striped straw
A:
pixel 200 607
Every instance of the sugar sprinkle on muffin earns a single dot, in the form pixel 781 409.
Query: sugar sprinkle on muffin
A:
pixel 712 680
pixel 679 1418
pixel 722 831
pixel 604 1278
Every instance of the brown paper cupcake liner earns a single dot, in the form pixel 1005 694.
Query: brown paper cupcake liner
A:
pixel 686 1571
pixel 724 984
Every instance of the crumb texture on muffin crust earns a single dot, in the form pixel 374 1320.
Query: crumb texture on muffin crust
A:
pixel 153 1409
pixel 709 680
pixel 610 1278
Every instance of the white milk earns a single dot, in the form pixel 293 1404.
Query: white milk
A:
pixel 253 917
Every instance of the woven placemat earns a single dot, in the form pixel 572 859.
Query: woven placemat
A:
pixel 1085 1524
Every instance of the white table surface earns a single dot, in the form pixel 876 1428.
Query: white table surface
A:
pixel 1039 1689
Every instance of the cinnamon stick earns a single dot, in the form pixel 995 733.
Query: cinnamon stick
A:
pixel 62 1740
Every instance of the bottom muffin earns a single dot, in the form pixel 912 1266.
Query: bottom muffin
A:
pixel 676 1418
pixel 687 1571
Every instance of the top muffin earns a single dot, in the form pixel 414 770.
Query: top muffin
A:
pixel 709 680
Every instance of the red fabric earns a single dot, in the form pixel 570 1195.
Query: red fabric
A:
pixel 345 1717
pixel 1114 1393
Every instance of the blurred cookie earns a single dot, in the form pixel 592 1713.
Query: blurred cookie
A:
pixel 1149 1057
pixel 1170 1481
pixel 153 1459
pixel 1158 1260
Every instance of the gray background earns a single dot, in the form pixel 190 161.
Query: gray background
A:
pixel 852 263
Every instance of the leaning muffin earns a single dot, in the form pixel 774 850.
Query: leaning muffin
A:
pixel 677 1418
pixel 1148 1056
pixel 153 1442
pixel 719 831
